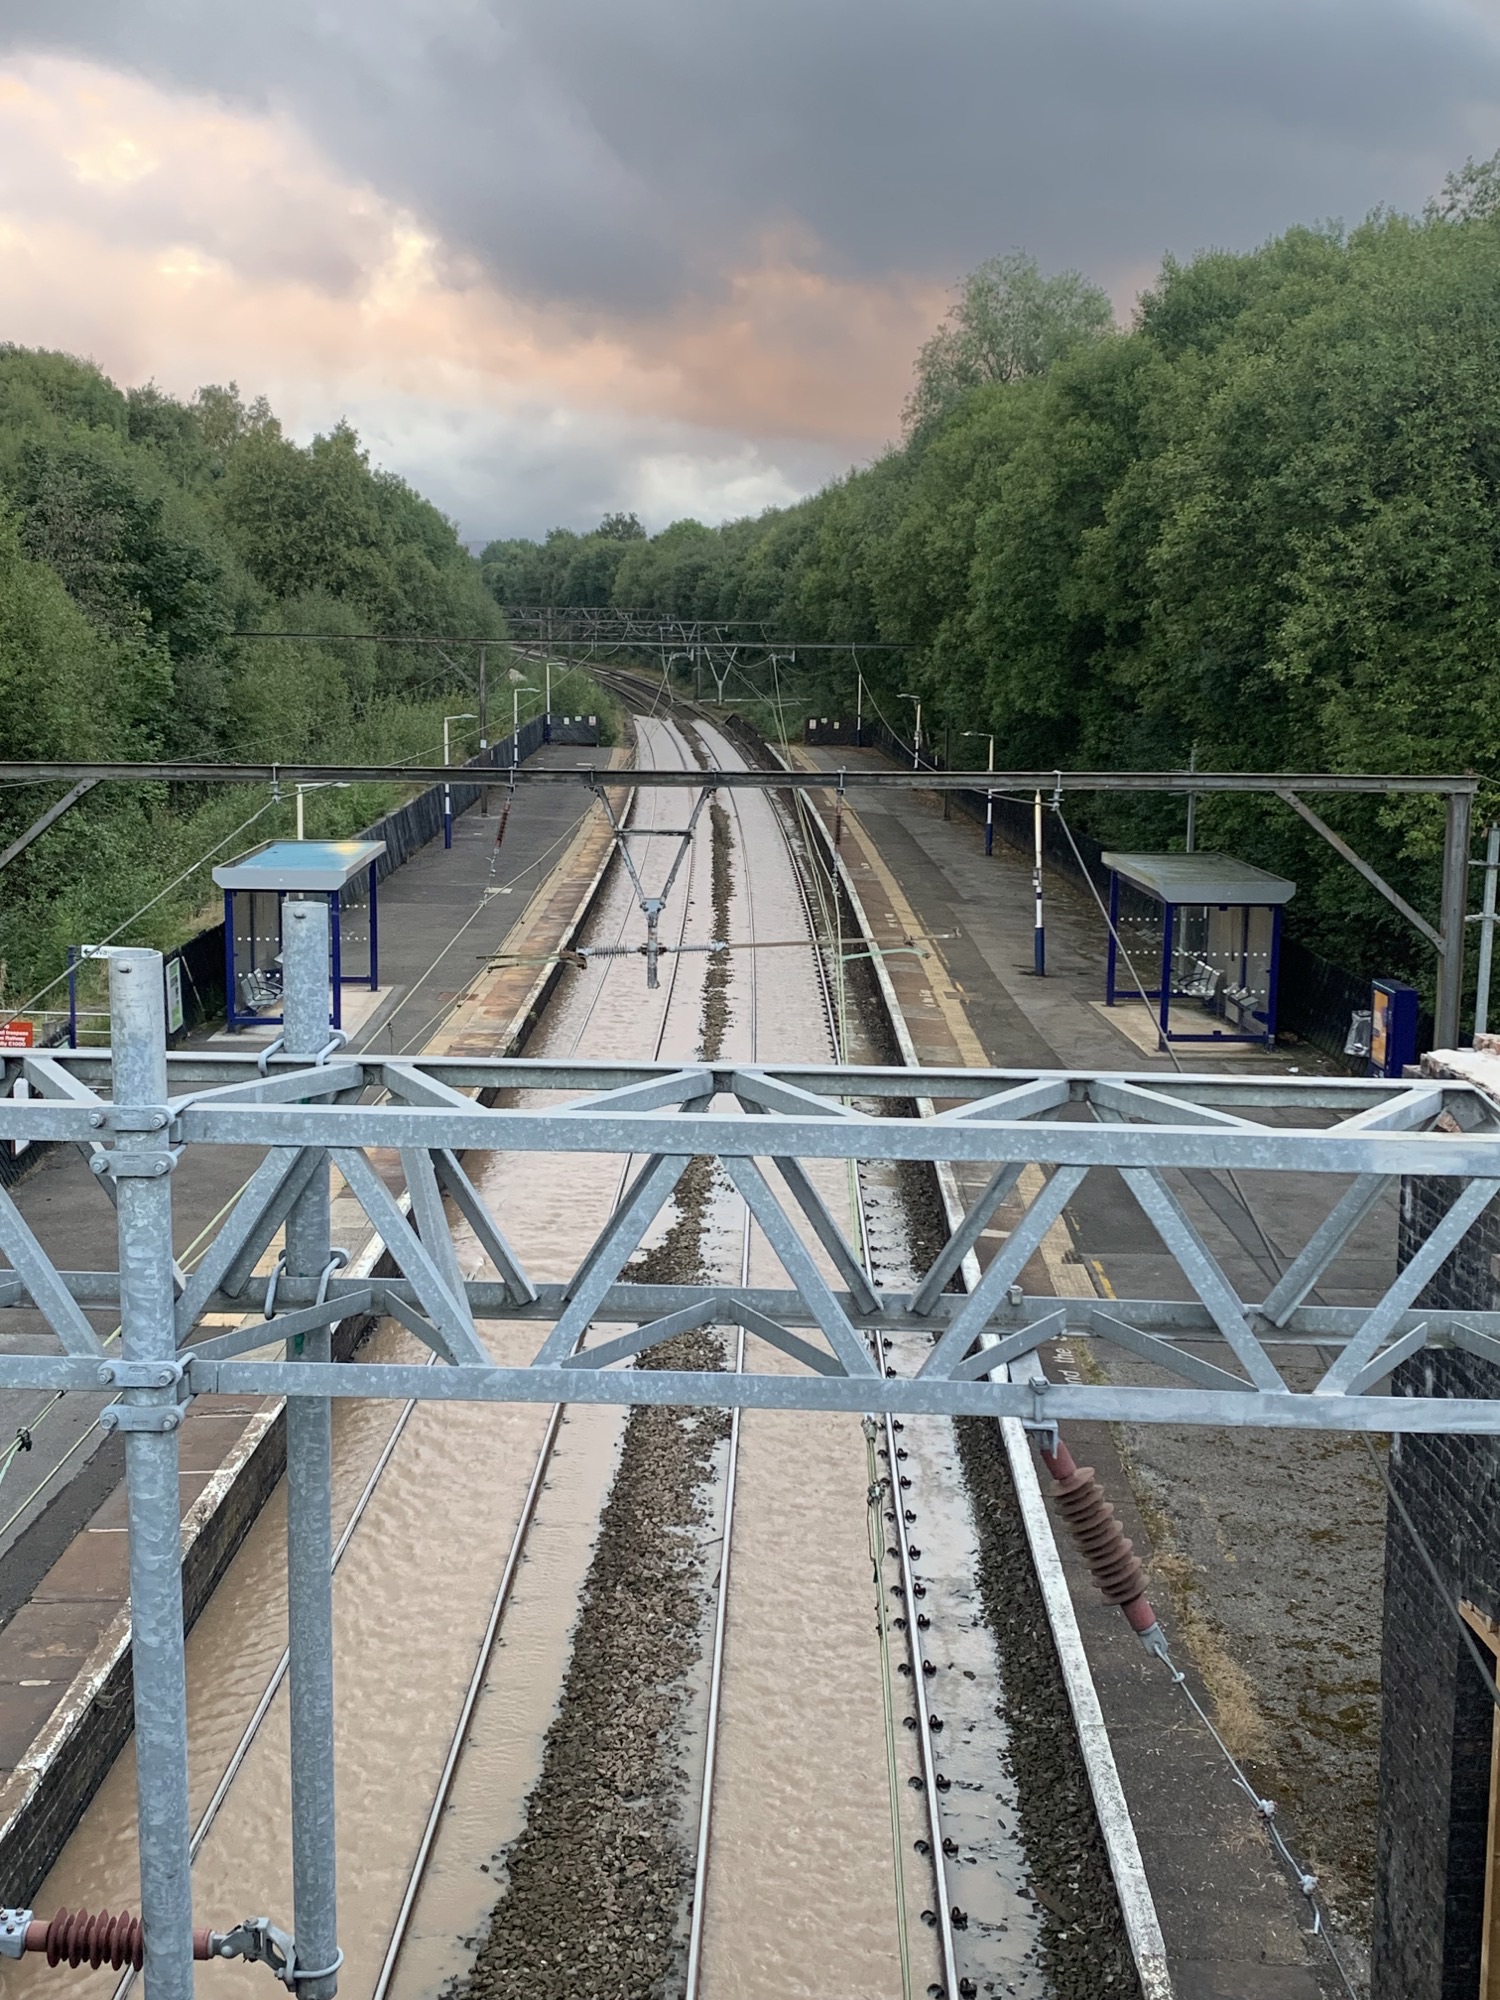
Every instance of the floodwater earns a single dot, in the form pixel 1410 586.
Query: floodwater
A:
pixel 414 1591
pixel 813 1858
pixel 801 1896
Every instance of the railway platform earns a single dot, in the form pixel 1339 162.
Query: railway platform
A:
pixel 468 938
pixel 1254 1615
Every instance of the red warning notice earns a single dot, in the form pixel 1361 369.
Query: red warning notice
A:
pixel 17 1035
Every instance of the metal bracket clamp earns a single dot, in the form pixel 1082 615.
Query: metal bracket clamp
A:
pixel 262 1942
pixel 13 1928
pixel 141 1166
pixel 156 1417
pixel 1039 1424
pixel 1046 1434
pixel 140 1374
pixel 129 1118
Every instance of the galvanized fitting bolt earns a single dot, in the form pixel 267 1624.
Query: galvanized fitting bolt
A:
pixel 99 1164
pixel 96 1118
pixel 106 1373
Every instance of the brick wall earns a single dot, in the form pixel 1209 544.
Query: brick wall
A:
pixel 1437 1714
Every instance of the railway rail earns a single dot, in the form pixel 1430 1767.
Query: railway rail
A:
pixel 912 1622
pixel 517 1551
pixel 935 1843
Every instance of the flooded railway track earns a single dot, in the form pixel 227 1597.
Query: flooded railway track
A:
pixel 818 1830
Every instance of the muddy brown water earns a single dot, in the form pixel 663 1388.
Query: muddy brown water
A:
pixel 801 1890
pixel 806 1857
pixel 414 1590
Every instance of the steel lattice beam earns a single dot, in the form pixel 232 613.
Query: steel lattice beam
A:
pixel 1358 1135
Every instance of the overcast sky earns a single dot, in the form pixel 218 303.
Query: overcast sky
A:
pixel 554 257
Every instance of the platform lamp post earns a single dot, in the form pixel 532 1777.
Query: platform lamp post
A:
pixel 547 708
pixel 515 719
pixel 859 708
pixel 1039 934
pixel 447 788
pixel 916 735
pixel 334 785
pixel 989 797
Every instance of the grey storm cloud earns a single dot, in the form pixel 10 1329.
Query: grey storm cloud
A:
pixel 616 160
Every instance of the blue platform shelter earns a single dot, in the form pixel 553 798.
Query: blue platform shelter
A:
pixel 255 888
pixel 1207 928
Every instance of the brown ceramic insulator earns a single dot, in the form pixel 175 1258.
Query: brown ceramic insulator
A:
pixel 81 1937
pixel 1109 1553
pixel 504 816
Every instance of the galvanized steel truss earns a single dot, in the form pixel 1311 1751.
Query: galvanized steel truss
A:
pixel 764 1126
pixel 1034 1136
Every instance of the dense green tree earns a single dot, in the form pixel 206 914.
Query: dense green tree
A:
pixel 139 536
pixel 1009 321
pixel 1261 526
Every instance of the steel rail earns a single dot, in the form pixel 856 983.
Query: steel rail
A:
pixel 513 1560
pixel 417 1874
pixel 278 1676
pixel 692 1988
pixel 726 1540
pixel 262 1708
pixel 932 1796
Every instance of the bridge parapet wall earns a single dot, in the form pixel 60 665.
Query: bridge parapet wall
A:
pixel 1437 1754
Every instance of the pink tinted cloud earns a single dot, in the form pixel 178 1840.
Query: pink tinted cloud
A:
pixel 173 237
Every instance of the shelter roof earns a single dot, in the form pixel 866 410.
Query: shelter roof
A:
pixel 1201 878
pixel 314 866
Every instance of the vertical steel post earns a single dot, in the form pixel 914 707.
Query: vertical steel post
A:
pixel 336 982
pixel 447 789
pixel 309 1493
pixel 484 728
pixel 374 928
pixel 1168 924
pixel 1486 932
pixel 989 806
pixel 230 1020
pixel 138 1035
pixel 1039 932
pixel 1192 809
pixel 1450 979
pixel 1114 938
